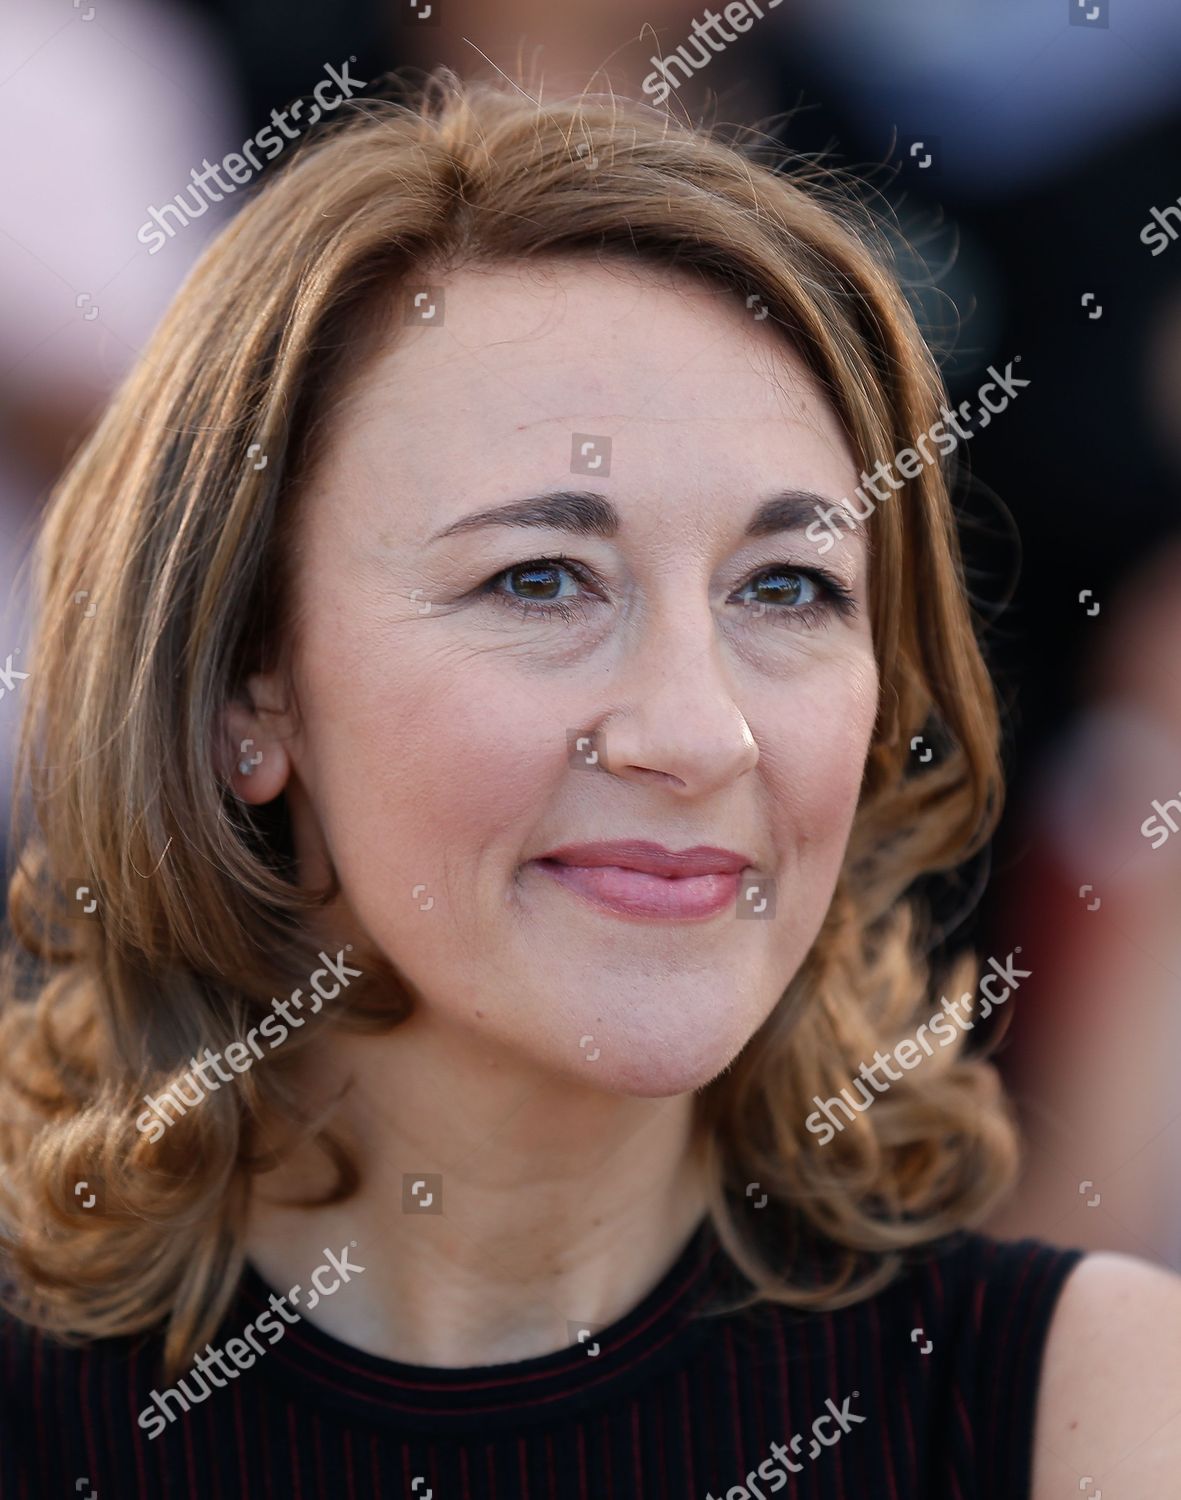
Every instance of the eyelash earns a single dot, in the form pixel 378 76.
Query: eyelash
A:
pixel 839 598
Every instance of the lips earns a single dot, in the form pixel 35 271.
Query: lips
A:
pixel 634 878
pixel 651 859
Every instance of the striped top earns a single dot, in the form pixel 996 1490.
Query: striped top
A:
pixel 926 1391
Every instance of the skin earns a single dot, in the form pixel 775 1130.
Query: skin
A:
pixel 1109 1403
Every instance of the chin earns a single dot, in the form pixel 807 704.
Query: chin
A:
pixel 644 1080
pixel 654 1069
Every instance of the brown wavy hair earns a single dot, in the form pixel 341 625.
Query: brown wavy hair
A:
pixel 183 545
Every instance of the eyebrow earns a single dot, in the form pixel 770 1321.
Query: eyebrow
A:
pixel 589 514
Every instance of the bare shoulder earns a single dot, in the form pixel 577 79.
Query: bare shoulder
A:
pixel 1109 1402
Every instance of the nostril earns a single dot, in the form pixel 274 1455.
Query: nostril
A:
pixel 663 775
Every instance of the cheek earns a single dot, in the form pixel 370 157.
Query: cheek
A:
pixel 813 759
pixel 426 758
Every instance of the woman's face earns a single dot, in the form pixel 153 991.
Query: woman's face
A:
pixel 469 702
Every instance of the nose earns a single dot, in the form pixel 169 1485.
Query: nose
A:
pixel 678 722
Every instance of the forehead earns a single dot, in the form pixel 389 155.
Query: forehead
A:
pixel 676 384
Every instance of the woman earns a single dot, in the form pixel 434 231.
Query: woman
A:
pixel 474 834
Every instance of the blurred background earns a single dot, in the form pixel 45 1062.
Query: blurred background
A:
pixel 1029 155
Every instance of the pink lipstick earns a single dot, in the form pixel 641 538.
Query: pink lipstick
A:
pixel 635 878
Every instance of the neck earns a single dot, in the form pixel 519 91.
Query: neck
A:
pixel 495 1210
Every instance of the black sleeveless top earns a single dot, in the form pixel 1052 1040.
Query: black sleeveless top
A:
pixel 926 1391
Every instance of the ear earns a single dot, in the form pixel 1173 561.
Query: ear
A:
pixel 252 749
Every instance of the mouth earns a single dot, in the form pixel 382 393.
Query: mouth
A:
pixel 638 879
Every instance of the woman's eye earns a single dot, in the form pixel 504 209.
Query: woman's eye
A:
pixel 553 586
pixel 784 586
pixel 792 594
pixel 538 587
